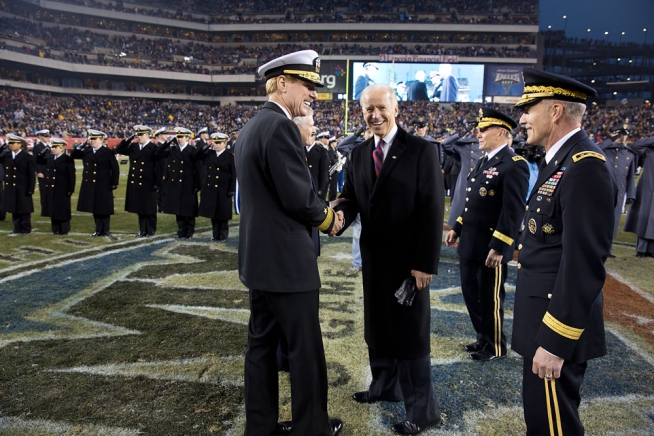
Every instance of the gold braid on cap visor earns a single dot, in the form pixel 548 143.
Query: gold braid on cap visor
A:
pixel 309 75
pixel 487 122
pixel 551 91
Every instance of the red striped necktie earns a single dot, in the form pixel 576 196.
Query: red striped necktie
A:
pixel 378 156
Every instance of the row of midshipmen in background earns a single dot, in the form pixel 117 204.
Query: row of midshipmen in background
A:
pixel 166 176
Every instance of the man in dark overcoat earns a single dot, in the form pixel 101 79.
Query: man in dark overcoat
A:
pixel 182 183
pixel 558 321
pixel 20 180
pixel 318 162
pixel 276 259
pixel 59 184
pixel 42 142
pixel 218 186
pixel 142 183
pixel 399 194
pixel 99 179
pixel 640 219
pixel 623 164
pixel 487 229
pixel 161 136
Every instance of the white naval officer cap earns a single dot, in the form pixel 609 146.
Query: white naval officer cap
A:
pixel 96 134
pixel 160 131
pixel 140 129
pixel 58 142
pixel 182 131
pixel 304 64
pixel 219 137
pixel 44 132
pixel 15 139
pixel 323 135
pixel 203 130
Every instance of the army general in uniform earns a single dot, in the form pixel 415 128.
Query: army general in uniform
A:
pixel 487 228
pixel 558 323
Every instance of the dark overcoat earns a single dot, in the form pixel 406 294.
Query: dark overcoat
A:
pixel 401 230
pixel 623 164
pixel 141 194
pixel 20 179
pixel 219 180
pixel 278 206
pixel 566 240
pixel 318 162
pixel 100 173
pixel 640 219
pixel 495 206
pixel 58 181
pixel 182 180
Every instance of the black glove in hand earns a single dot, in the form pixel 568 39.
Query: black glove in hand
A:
pixel 68 194
pixel 113 187
pixel 630 200
pixel 406 292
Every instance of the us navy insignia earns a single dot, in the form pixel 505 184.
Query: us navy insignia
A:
pixel 532 226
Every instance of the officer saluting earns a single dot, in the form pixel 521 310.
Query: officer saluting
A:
pixel 59 184
pixel 557 323
pixel 20 179
pixel 181 183
pixel 99 179
pixel 218 186
pixel 487 227
pixel 142 183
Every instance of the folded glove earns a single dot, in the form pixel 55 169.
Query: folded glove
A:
pixel 406 292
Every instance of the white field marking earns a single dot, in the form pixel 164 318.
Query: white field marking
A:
pixel 238 426
pixel 640 320
pixel 59 427
pixel 236 316
pixel 188 370
pixel 633 287
pixel 634 347
pixel 341 256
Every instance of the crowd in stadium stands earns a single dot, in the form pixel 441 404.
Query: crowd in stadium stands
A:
pixel 226 11
pixel 25 112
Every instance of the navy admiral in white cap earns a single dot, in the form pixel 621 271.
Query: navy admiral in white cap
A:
pixel 276 254
pixel 558 323
pixel 99 178
pixel 20 180
pixel 142 182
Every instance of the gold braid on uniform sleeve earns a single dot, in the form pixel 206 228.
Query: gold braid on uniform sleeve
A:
pixel 329 220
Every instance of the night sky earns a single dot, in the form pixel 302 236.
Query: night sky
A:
pixel 614 16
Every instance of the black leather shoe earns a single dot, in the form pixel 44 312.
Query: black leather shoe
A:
pixel 95 234
pixel 485 355
pixel 474 347
pixel 408 427
pixel 334 427
pixel 139 235
pixel 639 254
pixel 284 427
pixel 364 397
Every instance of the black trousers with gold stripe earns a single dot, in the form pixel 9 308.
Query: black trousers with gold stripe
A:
pixel 552 407
pixel 483 292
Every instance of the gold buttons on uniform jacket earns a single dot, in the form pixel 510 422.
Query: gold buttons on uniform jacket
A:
pixel 472 180
pixel 519 266
pixel 520 247
pixel 549 296
pixel 538 210
pixel 527 207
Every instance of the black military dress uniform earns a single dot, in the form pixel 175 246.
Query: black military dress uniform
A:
pixel 562 250
pixel 20 181
pixel 181 184
pixel 99 179
pixel 39 146
pixel 59 185
pixel 491 219
pixel 142 181
pixel 217 191
pixel 318 162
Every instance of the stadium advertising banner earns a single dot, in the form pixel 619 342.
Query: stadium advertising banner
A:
pixel 444 82
pixel 504 82
pixel 333 74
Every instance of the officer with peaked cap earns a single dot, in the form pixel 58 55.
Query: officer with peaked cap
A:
pixel 487 229
pixel 20 180
pixel 276 255
pixel 218 185
pixel 622 161
pixel 181 181
pixel 59 185
pixel 318 162
pixel 421 125
pixel 335 166
pixel 99 179
pixel 557 323
pixel 42 142
pixel 161 136
pixel 142 183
